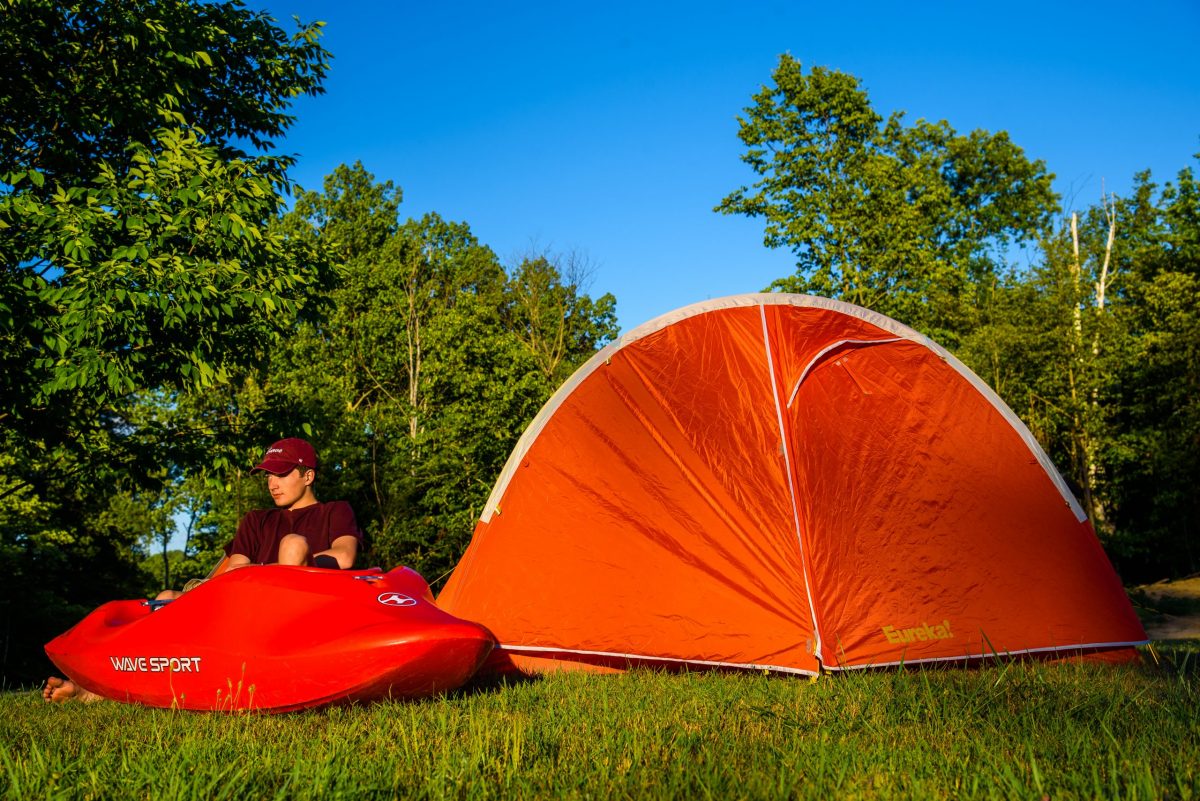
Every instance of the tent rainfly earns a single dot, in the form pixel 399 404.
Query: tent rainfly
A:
pixel 789 483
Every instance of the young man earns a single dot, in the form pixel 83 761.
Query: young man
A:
pixel 300 530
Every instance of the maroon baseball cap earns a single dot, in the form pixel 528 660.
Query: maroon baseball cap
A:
pixel 286 455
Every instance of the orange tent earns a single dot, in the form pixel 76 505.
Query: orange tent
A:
pixel 783 482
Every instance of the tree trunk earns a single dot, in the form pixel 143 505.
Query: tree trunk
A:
pixel 1081 447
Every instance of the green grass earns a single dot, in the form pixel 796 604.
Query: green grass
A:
pixel 1006 731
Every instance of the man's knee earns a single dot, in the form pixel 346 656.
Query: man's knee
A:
pixel 293 550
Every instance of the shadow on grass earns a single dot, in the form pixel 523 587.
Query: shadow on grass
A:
pixel 493 684
pixel 1175 657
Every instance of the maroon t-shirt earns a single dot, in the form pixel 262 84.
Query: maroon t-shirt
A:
pixel 260 530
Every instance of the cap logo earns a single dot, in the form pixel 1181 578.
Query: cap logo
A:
pixel 288 453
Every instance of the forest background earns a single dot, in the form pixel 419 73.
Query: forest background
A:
pixel 171 302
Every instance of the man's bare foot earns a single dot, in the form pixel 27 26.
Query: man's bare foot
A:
pixel 57 690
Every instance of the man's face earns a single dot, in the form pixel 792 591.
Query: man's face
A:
pixel 287 489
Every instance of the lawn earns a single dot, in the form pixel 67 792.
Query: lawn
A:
pixel 1017 730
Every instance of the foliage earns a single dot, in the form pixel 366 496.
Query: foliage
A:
pixel 1093 343
pixel 420 378
pixel 133 227
pixel 164 276
pixel 901 219
pixel 552 319
pixel 1111 387
pixel 1154 415
pixel 85 78
pixel 1013 731
pixel 428 368
pixel 139 262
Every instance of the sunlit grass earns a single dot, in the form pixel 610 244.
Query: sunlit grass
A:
pixel 1007 731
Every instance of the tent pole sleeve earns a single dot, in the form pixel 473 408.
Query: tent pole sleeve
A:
pixel 791 484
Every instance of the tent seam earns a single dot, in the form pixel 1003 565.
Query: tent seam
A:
pixel 787 464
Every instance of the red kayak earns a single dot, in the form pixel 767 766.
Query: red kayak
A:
pixel 275 639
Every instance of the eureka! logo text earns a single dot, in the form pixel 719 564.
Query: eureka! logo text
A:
pixel 917 633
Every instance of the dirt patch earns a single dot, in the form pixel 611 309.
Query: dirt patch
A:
pixel 1170 610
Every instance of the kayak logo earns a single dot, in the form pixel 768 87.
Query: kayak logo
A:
pixel 921 632
pixel 156 664
pixel 396 599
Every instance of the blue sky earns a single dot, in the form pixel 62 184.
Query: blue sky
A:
pixel 610 129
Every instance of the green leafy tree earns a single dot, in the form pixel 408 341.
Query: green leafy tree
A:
pixel 133 226
pixel 139 258
pixel 85 78
pixel 383 379
pixel 549 314
pixel 164 276
pixel 1152 458
pixel 908 220
pixel 1095 348
pixel 426 369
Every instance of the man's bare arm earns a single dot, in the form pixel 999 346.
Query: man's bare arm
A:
pixel 237 560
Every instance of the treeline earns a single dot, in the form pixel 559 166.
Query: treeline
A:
pixel 170 303
pixel 1086 322
pixel 424 365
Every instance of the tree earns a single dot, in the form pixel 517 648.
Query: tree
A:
pixel 1095 349
pixel 383 381
pixel 133 225
pixel 552 318
pixel 85 78
pixel 426 369
pixel 1152 458
pixel 138 253
pixel 905 220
